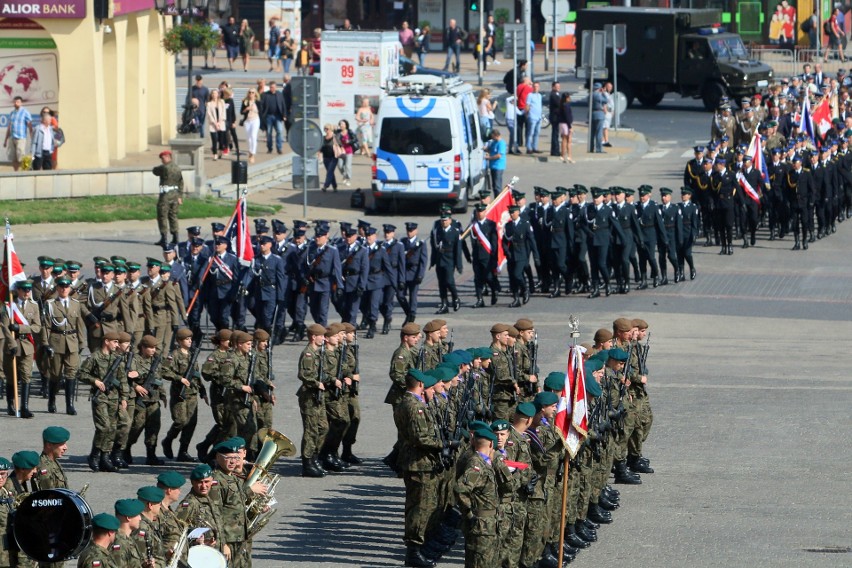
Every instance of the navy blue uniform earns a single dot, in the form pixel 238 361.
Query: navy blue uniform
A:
pixel 355 269
pixel 691 226
pixel 519 242
pixel 624 249
pixel 416 259
pixel 559 226
pixel 602 228
pixel 394 278
pixel 483 237
pixel 377 260
pixel 446 257
pixel 194 267
pixel 268 288
pixel 298 306
pixel 220 288
pixel 577 264
pixel 651 225
pixel 322 272
pixel 673 226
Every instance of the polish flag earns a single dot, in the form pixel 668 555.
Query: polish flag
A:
pixel 12 271
pixel 755 150
pixel 18 317
pixel 238 233
pixel 822 117
pixel 747 188
pixel 807 123
pixel 498 211
pixel 572 419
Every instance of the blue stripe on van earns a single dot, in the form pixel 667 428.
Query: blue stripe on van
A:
pixel 396 163
pixel 414 113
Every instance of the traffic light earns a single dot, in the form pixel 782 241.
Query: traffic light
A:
pixel 473 5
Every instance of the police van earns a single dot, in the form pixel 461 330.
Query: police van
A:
pixel 430 146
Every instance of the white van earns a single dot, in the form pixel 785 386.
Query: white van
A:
pixel 430 145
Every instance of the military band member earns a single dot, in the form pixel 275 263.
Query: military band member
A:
pixel 148 537
pixel 183 396
pixel 519 242
pixel 415 267
pixel 24 481
pixel 124 549
pixel 25 327
pixel 171 527
pixel 102 372
pixel 54 445
pixel 98 553
pixel 446 256
pixel 146 385
pixel 483 235
pixel 63 334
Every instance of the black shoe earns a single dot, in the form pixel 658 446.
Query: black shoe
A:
pixel 797 246
pixel 599 516
pixel 386 325
pixel 574 540
pixel 310 470
pixel 480 303
pixel 329 464
pixel 363 325
pixel 752 240
pixel 811 238
pixel 167 448
pixel 639 466
pixel 692 274
pixel 606 290
pixel 677 276
pixel 493 297
pixel 655 282
pixel 643 285
pixel 623 476
pixel 557 292
pixel 115 458
pixel 443 308
pixel 201 451
pixel 805 245
pixel 414 557
pixel 371 332
pixel 606 504
pixel 104 464
pixel 596 293
pixel 724 250
pixel 730 250
pixel 162 240
pixel 516 303
pixel 525 295
pixel 152 458
pixel 581 531
pixel 125 455
pixel 612 492
pixel 456 304
pixel 183 456
pixel 664 281
pixel 94 460
pixel 590 525
pixel 349 457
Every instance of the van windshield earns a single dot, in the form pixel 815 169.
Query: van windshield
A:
pixel 728 48
pixel 414 136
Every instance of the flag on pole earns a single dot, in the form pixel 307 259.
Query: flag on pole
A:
pixel 750 191
pixel 572 418
pixel 755 150
pixel 822 118
pixel 498 212
pixel 17 316
pixel 12 271
pixel 238 234
pixel 807 123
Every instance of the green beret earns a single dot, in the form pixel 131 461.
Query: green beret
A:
pixel 499 426
pixel 129 507
pixel 485 353
pixel 446 372
pixel 478 425
pixel 452 358
pixel 5 465
pixel 238 441
pixel 593 365
pixel 227 447
pixel 201 471
pixel 526 409
pixel 602 356
pixel 555 381
pixel 151 494
pixel 55 435
pixel 618 354
pixel 543 399
pixel 25 460
pixel 171 479
pixel 417 374
pixel 105 521
pixel 592 386
pixel 474 352
pixel 429 380
pixel 483 434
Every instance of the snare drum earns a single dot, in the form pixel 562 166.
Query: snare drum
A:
pixel 53 525
pixel 203 556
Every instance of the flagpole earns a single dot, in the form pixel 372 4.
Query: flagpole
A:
pixel 574 326
pixel 9 269
pixel 508 187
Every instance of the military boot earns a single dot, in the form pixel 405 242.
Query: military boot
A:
pixel 363 325
pixel 643 285
pixel 557 288
pixel 126 456
pixel 745 242
pixel 598 515
pixel 25 401
pixel 606 504
pixel 596 292
pixel 797 245
pixel 525 294
pixel 329 463
pixel 310 470
pixel 811 237
pixel 635 463
pixel 414 557
pixel 480 303
pixel 443 307
pixel 386 325
pixel 162 240
pixel 624 476
pixel 349 457
pixel 105 464
pixel 299 334
pixel 183 454
pixel 371 331
pixel 664 281
pixel 52 389
pixel 516 303
pixel 115 457
pixel 584 533
pixel 167 446
pixel 573 539
pixel 174 238
pixel 94 459
pixel 70 389
pixel 152 458
pixel 456 303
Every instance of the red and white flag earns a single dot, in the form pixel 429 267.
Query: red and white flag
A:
pixel 498 211
pixel 572 416
pixel 750 191
pixel 822 117
pixel 18 317
pixel 239 235
pixel 12 271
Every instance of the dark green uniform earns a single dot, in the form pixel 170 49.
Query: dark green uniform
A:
pixel 104 404
pixel 202 511
pixel 231 495
pixel 50 474
pixel 218 370
pixel 94 556
pixel 125 552
pixel 183 400
pixel 171 192
pixel 476 493
pixel 311 403
pixel 403 359
pixel 504 396
pixel 147 413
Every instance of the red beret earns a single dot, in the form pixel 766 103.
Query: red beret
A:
pixel 165 153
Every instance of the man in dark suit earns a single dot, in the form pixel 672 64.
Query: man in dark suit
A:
pixel 377 260
pixel 321 270
pixel 446 257
pixel 553 102
pixel 415 267
pixel 518 243
pixel 724 187
pixel 483 236
pixel 651 225
pixel 581 278
pixel 751 207
pixel 559 241
pixel 268 285
pixel 195 265
pixel 273 109
pixel 673 226
pixel 602 228
pixel 824 174
pixel 353 261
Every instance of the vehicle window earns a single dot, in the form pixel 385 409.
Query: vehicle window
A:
pixel 474 142
pixel 736 48
pixel 720 49
pixel 413 136
pixel 650 32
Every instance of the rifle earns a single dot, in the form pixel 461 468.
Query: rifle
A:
pixel 107 303
pixel 337 391
pixel 421 355
pixel 353 388
pixel 250 378
pixel 643 355
pixel 190 373
pixel 310 278
pixel 530 388
pixel 151 380
pixel 318 395
pixel 513 364
pixel 451 344
pixel 110 382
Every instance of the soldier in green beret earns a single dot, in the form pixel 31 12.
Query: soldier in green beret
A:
pixel 200 509
pixel 148 537
pixel 476 493
pixel 54 445
pixel 124 549
pixel 7 499
pixel 98 554
pixel 517 450
pixel 170 527
pixel 171 197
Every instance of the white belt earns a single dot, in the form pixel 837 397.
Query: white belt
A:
pixel 167 188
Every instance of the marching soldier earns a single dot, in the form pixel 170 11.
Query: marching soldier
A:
pixel 221 285
pixel 217 370
pixel 724 124
pixel 127 404
pixel 284 248
pixel 312 401
pixel 394 277
pixel 178 271
pixel 186 388
pixel 355 270
pixel 351 369
pixel 184 247
pixel 505 387
pixel 517 450
pixel 650 222
pixel 264 397
pixel 268 285
pixel 98 553
pixel 404 358
pixel 446 257
pixel 54 445
pixel 672 218
pixel 558 237
pixel 798 192
pixel 321 275
pixel 526 366
pixel 25 327
pixel 297 305
pixel 63 335
pixel 754 179
pixel 602 227
pixel 145 385
pixel 415 267
pixel 691 227
pixel 241 403
pixel 724 189
pixel 624 250
pixel 377 262
pixel 102 371
pixel 483 235
pixel 171 197
pixel 519 242
pixel 337 410
pixel 779 217
pixel 195 263
pixel 103 303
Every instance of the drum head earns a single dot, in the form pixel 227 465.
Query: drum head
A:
pixel 203 556
pixel 53 525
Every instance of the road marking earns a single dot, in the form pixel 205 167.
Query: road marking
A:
pixel 668 142
pixel 750 387
pixel 687 154
pixel 655 155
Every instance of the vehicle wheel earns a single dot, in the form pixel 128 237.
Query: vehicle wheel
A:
pixel 650 100
pixel 711 94
pixel 629 92
pixel 545 121
pixel 460 206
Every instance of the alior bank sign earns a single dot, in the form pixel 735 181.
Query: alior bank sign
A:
pixel 71 9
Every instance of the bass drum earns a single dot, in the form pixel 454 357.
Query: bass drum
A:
pixel 203 556
pixel 53 525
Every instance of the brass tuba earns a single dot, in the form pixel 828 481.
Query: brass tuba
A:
pixel 259 507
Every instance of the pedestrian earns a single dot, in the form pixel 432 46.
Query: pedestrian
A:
pixel 607 91
pixel 328 151
pixel 216 123
pixel 365 119
pixel 348 140
pixel 273 52
pixel 486 111
pixel 833 32
pixel 230 121
pixel 231 39
pixel 598 102
pixel 251 121
pixel 554 99
pixel 534 110
pixel 315 51
pixel 20 126
pixel 406 39
pixel 273 109
pixel 43 144
pixel 246 43
pixel 288 49
pixel 483 47
pixel 422 44
pixel 303 59
pixel 171 197
pixel 453 38
pixel 566 127
pixel 525 87
pixel 496 157
pixel 215 29
pixel 511 112
pixel 58 135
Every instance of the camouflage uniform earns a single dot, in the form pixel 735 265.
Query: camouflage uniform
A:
pixel 512 540
pixel 263 402
pixel 336 404
pixel 504 382
pixel 432 355
pixel 147 413
pixel 353 404
pixel 6 501
pixel 104 405
pixel 202 511
pixel 476 493
pixel 525 363
pixel 171 529
pixel 148 535
pixel 242 419
pixel 125 416
pixel 402 360
pixel 311 403
pixel 644 415
pixel 94 556
pixel 231 495
pixel 630 404
pixel 50 474
pixel 124 551
pixel 183 409
pixel 171 191
pixel 217 370
pixel 543 439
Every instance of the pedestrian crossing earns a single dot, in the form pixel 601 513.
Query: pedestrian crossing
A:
pixel 661 153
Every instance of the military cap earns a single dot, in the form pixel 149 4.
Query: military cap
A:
pixel 24 285
pixel 107 268
pixel 640 323
pixel 240 337
pixel 315 329
pixel 516 195
pixel 26 459
pixel 526 409
pixel 513 331
pixel 432 326
pixel 260 221
pixel 238 441
pixel 617 190
pixel 602 356
pixel 388 228
pixel 349 232
pixel 74 265
pixel 183 333
pixel 261 335
pixel 645 189
pixel 572 192
pixel 618 354
pixel 499 426
pixel 229 446
pixel 278 226
pixel 165 267
pixel 545 398
pixel 480 206
pixel 499 328
pixel 452 359
pixel 171 479
pixel 410 226
pixel 628 191
pixel 58 268
pixel 154 261
pixel 165 153
pixel 685 191
pixel 446 214
pixel 217 227
pixel 150 494
pixel 221 240
pixel 265 239
pixel 514 208
pixel 105 521
pixel 464 356
pixel 201 471
pixel 121 269
pixel 196 242
pixel 222 335
pixel 555 381
pixel 45 261
pixel 712 146
pixel 98 260
pixel 169 247
pixel 133 266
pixel 776 150
pixel 698 149
pixel 370 231
pixel 603 335
pixel 440 322
pixel 597 192
pixel 797 158
pixel 124 337
pixel 592 386
pixel 55 435
pixel 299 224
pixel 524 324
pixel 345 226
pixel 64 281
pixel 721 160
pixel 740 149
pixel 748 158
pixel 148 341
pixel 5 465
pixel 321 231
pixel 129 507
pixel 410 328
pixel 665 191
pixel 482 434
pixel 111 336
pixel 348 327
pixel 195 230
pixel 558 192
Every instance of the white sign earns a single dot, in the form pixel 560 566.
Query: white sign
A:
pixel 289 14
pixel 562 9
